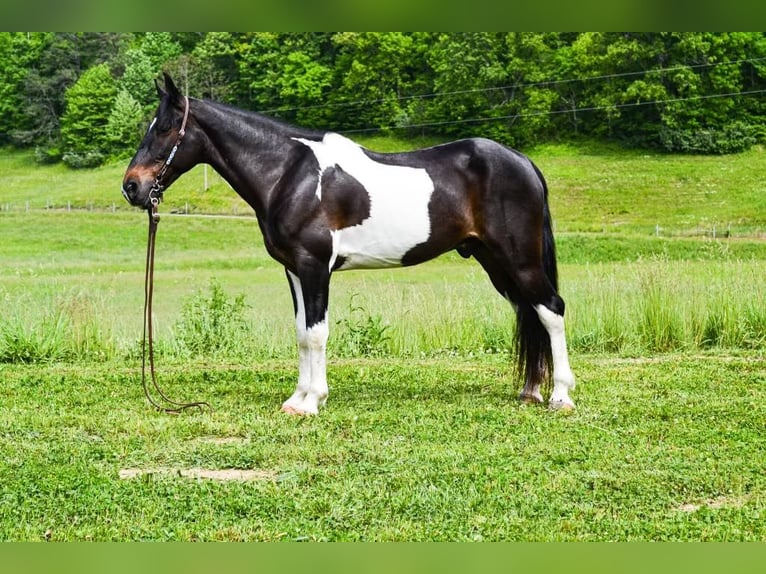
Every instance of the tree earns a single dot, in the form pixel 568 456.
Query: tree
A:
pixel 684 91
pixel 17 52
pixel 216 66
pixel 289 75
pixel 374 77
pixel 125 125
pixel 716 63
pixel 138 79
pixel 89 103
pixel 471 81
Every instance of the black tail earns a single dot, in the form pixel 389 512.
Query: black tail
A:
pixel 533 344
pixel 549 245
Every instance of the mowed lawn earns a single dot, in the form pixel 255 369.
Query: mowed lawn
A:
pixel 665 448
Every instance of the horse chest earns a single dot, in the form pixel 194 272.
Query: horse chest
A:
pixel 377 212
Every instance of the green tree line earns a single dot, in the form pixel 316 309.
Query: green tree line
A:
pixel 84 98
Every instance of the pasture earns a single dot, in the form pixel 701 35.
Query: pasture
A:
pixel 422 438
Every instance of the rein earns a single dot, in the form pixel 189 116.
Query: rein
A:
pixel 155 195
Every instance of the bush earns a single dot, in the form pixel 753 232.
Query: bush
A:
pixel 83 160
pixel 732 138
pixel 47 154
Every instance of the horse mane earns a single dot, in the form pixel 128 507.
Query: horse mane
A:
pixel 263 121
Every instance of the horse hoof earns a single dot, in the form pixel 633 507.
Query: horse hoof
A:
pixel 561 406
pixel 287 409
pixel 528 399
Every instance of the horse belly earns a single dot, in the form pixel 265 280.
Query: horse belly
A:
pixel 370 247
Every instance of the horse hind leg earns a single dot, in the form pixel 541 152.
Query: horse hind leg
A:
pixel 563 378
pixel 526 344
pixel 541 340
pixel 536 289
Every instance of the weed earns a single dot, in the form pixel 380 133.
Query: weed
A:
pixel 88 335
pixel 213 324
pixel 660 326
pixel 361 334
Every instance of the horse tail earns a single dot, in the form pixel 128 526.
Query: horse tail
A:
pixel 533 344
pixel 549 245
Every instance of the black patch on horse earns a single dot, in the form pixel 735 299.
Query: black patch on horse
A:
pixel 345 201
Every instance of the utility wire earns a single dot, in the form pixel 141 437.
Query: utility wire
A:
pixel 512 86
pixel 559 112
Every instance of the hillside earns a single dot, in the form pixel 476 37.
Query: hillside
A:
pixel 594 188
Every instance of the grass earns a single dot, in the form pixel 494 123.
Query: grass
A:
pixel 422 438
pixel 602 189
pixel 661 449
pixel 657 306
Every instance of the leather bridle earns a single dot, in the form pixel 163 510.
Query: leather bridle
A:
pixel 155 193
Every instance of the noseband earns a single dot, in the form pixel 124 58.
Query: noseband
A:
pixel 155 193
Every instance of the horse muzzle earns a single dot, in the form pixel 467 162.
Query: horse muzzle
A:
pixel 137 193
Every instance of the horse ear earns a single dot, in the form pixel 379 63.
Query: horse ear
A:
pixel 160 91
pixel 172 91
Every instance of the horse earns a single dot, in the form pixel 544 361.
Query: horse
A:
pixel 325 204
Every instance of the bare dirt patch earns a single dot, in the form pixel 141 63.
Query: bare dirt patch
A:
pixel 222 439
pixel 714 503
pixel 237 474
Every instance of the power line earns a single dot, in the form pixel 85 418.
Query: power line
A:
pixel 512 86
pixel 559 112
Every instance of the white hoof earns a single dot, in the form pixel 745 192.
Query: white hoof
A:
pixel 308 405
pixel 561 405
pixel 291 410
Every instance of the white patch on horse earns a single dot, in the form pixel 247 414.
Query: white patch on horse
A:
pixel 563 378
pixel 311 391
pixel 151 125
pixel 399 198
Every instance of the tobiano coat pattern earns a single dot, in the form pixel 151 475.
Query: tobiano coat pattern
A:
pixel 326 204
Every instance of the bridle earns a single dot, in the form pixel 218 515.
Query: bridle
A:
pixel 155 196
pixel 155 193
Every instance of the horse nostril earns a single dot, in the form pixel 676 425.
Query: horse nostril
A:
pixel 129 189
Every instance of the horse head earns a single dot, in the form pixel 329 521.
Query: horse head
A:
pixel 168 149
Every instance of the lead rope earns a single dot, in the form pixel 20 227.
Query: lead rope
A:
pixel 176 407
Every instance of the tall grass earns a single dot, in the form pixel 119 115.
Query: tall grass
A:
pixel 68 327
pixel 655 306
pixel 644 308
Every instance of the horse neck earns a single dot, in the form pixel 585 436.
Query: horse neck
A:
pixel 248 150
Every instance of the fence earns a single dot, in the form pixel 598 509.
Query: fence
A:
pixel 47 205
pixel 718 230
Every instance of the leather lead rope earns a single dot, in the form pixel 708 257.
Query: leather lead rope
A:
pixel 171 405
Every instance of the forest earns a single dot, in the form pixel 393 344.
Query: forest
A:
pixel 85 98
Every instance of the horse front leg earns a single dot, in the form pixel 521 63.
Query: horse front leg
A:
pixel 310 297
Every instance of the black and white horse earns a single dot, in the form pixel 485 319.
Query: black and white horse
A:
pixel 325 204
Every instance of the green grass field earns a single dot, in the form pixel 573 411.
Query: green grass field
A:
pixel 666 448
pixel 422 438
